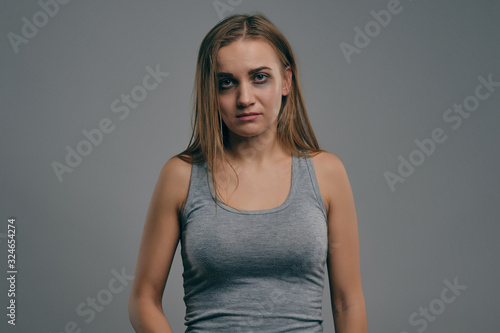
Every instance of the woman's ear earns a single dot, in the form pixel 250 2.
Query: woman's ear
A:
pixel 287 81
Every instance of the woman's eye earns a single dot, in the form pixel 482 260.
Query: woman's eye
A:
pixel 223 83
pixel 263 76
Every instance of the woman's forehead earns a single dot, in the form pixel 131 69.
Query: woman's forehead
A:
pixel 246 55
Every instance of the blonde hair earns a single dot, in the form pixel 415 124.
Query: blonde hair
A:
pixel 210 139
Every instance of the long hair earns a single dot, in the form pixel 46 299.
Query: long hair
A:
pixel 210 137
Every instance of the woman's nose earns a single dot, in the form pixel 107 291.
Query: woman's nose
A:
pixel 245 95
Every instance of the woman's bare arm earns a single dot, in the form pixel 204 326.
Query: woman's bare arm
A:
pixel 348 303
pixel 158 245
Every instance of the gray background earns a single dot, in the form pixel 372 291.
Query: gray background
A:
pixel 440 224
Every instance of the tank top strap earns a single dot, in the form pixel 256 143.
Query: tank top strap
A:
pixel 308 184
pixel 198 191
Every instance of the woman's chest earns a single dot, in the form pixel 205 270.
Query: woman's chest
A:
pixel 229 243
pixel 255 190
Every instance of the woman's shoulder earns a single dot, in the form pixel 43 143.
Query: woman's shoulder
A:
pixel 326 162
pixel 330 174
pixel 178 166
pixel 174 179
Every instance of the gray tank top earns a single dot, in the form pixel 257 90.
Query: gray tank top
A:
pixel 254 270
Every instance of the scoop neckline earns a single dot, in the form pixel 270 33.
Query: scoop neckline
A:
pixel 288 200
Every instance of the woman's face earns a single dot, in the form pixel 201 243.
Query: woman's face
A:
pixel 250 82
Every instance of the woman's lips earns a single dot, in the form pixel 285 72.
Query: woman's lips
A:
pixel 248 117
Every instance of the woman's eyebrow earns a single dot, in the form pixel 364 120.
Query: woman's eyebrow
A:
pixel 250 72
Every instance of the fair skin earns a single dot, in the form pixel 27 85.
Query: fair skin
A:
pixel 264 172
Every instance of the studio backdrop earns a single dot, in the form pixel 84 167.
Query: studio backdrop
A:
pixel 96 96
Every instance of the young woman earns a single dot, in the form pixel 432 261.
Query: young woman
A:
pixel 262 213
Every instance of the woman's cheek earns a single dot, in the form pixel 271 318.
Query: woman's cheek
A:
pixel 225 106
pixel 269 92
